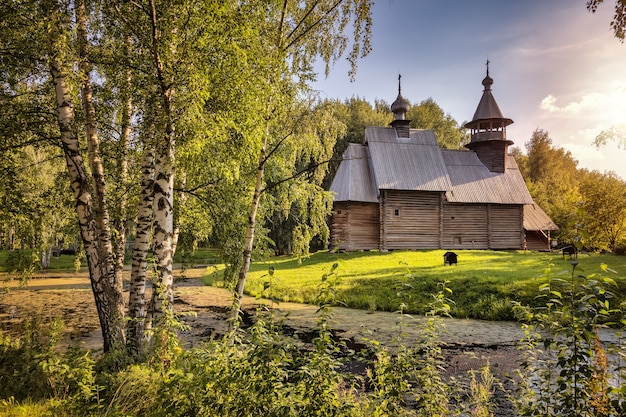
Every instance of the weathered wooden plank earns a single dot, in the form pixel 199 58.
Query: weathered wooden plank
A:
pixel 355 226
pixel 411 220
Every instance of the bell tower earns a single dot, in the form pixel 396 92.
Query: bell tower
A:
pixel 488 130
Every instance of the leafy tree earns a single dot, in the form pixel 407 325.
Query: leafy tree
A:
pixel 38 58
pixel 299 205
pixel 429 115
pixel 604 197
pixel 552 177
pixel 298 32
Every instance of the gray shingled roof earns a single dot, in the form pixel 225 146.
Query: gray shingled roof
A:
pixel 354 181
pixel 472 182
pixel 536 219
pixel 418 163
pixel 413 163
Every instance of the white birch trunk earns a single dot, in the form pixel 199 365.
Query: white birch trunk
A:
pixel 163 237
pixel 137 297
pixel 120 250
pixel 110 322
pixel 163 292
pixel 100 209
pixel 249 239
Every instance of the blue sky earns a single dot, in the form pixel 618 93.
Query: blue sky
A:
pixel 555 66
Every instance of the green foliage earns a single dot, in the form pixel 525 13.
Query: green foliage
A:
pixel 566 369
pixel 23 262
pixel 31 368
pixel 562 190
pixel 429 115
pixel 604 215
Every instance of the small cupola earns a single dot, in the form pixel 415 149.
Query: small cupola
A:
pixel 399 108
pixel 488 130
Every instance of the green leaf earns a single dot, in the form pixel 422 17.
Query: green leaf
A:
pixel 609 281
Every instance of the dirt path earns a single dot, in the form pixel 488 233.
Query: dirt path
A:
pixel 469 343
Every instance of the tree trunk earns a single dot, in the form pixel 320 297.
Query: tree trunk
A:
pixel 163 291
pixel 163 294
pixel 100 209
pixel 104 294
pixel 249 240
pixel 137 299
pixel 120 224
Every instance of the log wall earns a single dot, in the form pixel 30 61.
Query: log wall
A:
pixel 506 227
pixel 355 226
pixel 482 226
pixel 465 226
pixel 410 220
pixel 424 220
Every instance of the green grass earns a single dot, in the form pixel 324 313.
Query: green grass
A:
pixel 63 262
pixel 201 256
pixel 483 283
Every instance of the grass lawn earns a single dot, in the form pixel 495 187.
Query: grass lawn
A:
pixel 483 283
pixel 201 256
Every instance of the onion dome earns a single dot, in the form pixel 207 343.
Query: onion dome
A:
pixel 401 105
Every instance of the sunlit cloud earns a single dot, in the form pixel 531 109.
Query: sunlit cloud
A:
pixel 597 110
pixel 588 101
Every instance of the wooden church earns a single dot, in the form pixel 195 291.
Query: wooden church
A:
pixel 400 190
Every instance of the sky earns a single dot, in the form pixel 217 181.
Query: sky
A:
pixel 555 67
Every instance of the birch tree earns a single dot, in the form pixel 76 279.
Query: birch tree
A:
pixel 107 292
pixel 297 33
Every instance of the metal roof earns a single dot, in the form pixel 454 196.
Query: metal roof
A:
pixel 354 180
pixel 414 163
pixel 417 163
pixel 487 108
pixel 472 182
pixel 536 219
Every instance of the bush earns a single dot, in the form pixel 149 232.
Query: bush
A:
pixel 32 369
pixel 566 371
pixel 22 261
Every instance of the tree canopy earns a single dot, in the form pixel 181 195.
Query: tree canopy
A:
pixel 576 199
pixel 166 113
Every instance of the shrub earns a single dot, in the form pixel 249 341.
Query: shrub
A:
pixel 566 371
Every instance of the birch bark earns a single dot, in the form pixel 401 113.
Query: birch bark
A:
pixel 100 210
pixel 163 294
pixel 249 239
pixel 127 112
pixel 137 298
pixel 110 322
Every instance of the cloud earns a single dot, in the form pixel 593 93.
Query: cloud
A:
pixel 587 101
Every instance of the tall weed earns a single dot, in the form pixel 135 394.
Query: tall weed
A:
pixel 566 369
